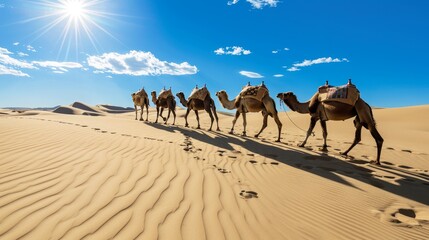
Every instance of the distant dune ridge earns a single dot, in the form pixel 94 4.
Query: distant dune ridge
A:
pixel 67 175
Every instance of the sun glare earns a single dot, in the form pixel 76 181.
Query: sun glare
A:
pixel 79 21
pixel 74 8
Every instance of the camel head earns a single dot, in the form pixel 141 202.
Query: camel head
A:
pixel 285 95
pixel 222 94
pixel 180 95
pixel 153 94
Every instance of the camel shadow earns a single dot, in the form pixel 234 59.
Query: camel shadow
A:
pixel 407 184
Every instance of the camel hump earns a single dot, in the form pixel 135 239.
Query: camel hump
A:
pixel 348 94
pixel 164 94
pixel 257 92
pixel 200 94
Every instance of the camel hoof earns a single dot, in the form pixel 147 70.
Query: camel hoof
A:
pixel 278 140
pixel 256 136
pixel 209 130
pixel 231 132
pixel 141 119
pixel 375 163
pixel 186 125
pixel 165 119
pixel 301 145
pixel 324 149
pixel 218 129
pixel 198 127
pixel 244 134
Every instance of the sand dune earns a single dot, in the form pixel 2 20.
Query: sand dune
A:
pixel 69 176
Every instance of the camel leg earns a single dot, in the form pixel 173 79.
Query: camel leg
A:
pixel 135 107
pixel 198 119
pixel 147 112
pixel 186 117
pixel 174 116
pixel 379 140
pixel 207 107
pixel 244 124
pixel 237 114
pixel 325 135
pixel 313 122
pixel 157 114
pixel 279 125
pixel 264 123
pixel 168 116
pixel 141 113
pixel 215 115
pixel 358 132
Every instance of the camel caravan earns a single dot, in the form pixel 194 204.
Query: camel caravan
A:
pixel 328 103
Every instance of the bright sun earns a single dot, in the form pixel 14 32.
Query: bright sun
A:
pixel 74 8
pixel 79 22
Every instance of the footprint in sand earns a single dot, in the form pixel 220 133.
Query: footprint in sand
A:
pixel 390 148
pixel 253 161
pixel 387 163
pixel 223 170
pixel 404 215
pixel 248 194
pixel 232 156
pixel 274 163
pixel 250 154
pixel 406 150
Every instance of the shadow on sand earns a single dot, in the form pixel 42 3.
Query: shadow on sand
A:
pixel 408 183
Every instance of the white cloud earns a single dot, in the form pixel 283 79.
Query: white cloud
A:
pixel 275 51
pixel 4 51
pixel 31 49
pixel 278 75
pixel 232 2
pixel 259 4
pixel 109 76
pixel 232 51
pixel 16 43
pixel 59 72
pixel 286 49
pixel 251 74
pixel 293 69
pixel 59 65
pixel 307 63
pixel 10 71
pixel 21 54
pixel 7 60
pixel 2 5
pixel 138 63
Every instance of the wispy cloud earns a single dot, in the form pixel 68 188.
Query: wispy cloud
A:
pixel 2 5
pixel 293 69
pixel 31 48
pixel 9 64
pixel 251 74
pixel 21 54
pixel 4 51
pixel 279 50
pixel 232 2
pixel 138 63
pixel 275 51
pixel 59 65
pixel 10 71
pixel 15 43
pixel 286 49
pixel 258 4
pixel 307 63
pixel 232 51
pixel 8 60
pixel 278 75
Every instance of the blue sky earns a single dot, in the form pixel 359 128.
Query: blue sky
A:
pixel 99 51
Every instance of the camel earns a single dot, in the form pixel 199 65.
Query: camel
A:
pixel 196 105
pixel 244 105
pixel 162 103
pixel 141 99
pixel 335 111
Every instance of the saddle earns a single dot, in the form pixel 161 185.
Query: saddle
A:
pixel 348 93
pixel 164 94
pixel 200 94
pixel 256 92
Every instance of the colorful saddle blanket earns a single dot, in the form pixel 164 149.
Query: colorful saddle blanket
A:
pixel 348 94
pixel 200 94
pixel 165 94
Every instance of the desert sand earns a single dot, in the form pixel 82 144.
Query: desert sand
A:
pixel 93 172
